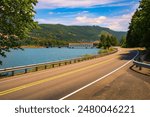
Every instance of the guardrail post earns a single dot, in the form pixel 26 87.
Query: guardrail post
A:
pixel 36 69
pixel 140 68
pixel 59 64
pixel 70 62
pixel 53 65
pixel 45 66
pixel 26 71
pixel 13 73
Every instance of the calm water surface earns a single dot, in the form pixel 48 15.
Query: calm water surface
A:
pixel 40 55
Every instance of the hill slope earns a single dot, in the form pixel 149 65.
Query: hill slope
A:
pixel 72 33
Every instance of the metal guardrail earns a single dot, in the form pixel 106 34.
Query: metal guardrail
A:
pixel 138 63
pixel 36 67
pixel 141 64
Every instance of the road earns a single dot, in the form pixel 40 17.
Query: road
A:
pixel 108 77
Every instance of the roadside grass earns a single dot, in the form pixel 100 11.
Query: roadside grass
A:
pixel 31 46
pixel 102 50
pixel 87 56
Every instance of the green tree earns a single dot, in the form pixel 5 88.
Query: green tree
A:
pixel 16 21
pixel 107 40
pixel 114 41
pixel 139 29
pixel 102 41
pixel 133 35
pixel 123 41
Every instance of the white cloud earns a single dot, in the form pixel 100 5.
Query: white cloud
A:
pixel 120 4
pixel 86 20
pixel 71 3
pixel 45 21
pixel 51 13
pixel 118 23
pixel 55 21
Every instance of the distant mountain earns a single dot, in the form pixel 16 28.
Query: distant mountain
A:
pixel 72 33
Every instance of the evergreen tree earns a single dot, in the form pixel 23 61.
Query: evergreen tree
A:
pixel 133 36
pixel 139 29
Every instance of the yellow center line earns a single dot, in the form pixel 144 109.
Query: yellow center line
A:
pixel 51 78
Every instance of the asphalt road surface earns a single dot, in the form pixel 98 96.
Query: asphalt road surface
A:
pixel 108 77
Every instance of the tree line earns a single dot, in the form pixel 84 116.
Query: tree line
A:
pixel 139 30
pixel 72 33
pixel 44 42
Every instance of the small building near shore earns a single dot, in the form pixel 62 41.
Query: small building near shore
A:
pixel 81 45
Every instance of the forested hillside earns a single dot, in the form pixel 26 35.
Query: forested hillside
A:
pixel 72 33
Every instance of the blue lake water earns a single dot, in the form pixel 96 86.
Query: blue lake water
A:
pixel 41 55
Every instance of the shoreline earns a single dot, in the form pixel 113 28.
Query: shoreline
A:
pixel 32 46
pixel 86 56
pixel 48 65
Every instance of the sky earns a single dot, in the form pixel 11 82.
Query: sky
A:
pixel 113 14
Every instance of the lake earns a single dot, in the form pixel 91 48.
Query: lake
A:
pixel 41 55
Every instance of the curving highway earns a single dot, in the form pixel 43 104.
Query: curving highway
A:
pixel 109 77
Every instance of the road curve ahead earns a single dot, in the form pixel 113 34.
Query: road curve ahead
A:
pixel 72 81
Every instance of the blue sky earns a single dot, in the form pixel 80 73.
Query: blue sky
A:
pixel 114 14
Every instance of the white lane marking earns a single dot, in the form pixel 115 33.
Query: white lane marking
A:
pixel 99 78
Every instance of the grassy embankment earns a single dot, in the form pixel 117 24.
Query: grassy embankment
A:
pixel 100 52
